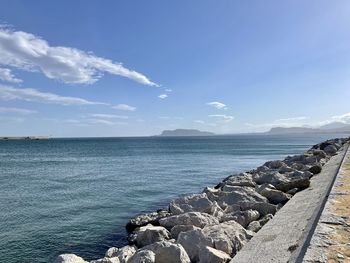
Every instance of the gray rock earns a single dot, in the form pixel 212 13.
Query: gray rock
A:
pixel 293 191
pixel 176 230
pixel 69 258
pixel 190 218
pixel 149 234
pixel 242 179
pixel 275 196
pixel 319 153
pixel 111 252
pixel 242 217
pixel 228 237
pixel 191 203
pixel 106 260
pixel 265 219
pixel 254 226
pixel 330 149
pixel 143 256
pixel 233 195
pixel 212 255
pixel 125 253
pixel 168 252
pixel 316 169
pixel 274 164
pixel 285 169
pixel 261 207
pixel 145 219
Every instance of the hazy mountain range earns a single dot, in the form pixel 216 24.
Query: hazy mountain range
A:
pixel 334 127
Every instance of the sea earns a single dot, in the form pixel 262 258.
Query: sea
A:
pixel 75 195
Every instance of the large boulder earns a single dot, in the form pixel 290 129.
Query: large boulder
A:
pixel 125 253
pixel 145 219
pixel 106 260
pixel 330 149
pixel 212 255
pixel 242 217
pixel 150 234
pixel 273 195
pixel 286 181
pixel 176 230
pixel 242 179
pixel 254 226
pixel 111 252
pixel 274 164
pixel 315 169
pixel 190 218
pixel 69 258
pixel 143 256
pixel 168 252
pixel 228 237
pixel 262 207
pixel 233 195
pixel 191 203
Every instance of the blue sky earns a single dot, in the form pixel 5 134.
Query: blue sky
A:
pixel 131 68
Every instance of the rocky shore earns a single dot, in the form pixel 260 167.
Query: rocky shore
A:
pixel 212 226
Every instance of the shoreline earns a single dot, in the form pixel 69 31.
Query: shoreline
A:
pixel 214 225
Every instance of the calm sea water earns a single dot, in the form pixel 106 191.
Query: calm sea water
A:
pixel 76 195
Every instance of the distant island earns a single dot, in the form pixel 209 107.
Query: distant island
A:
pixel 334 127
pixel 185 132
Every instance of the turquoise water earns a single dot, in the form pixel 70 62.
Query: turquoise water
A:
pixel 76 195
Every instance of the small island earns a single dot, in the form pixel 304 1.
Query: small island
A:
pixel 185 132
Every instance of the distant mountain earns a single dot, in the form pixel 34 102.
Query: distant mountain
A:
pixel 185 132
pixel 334 127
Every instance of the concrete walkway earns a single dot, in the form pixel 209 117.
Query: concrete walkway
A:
pixel 286 237
pixel 331 239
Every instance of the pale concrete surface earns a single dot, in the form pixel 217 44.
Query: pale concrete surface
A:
pixel 285 238
pixel 331 239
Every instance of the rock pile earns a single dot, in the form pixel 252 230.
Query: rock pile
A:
pixel 212 226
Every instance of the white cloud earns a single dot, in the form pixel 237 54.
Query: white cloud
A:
pixel 168 90
pixel 163 96
pixel 222 117
pixel 217 105
pixel 124 107
pixel 10 93
pixel 16 111
pixel 6 75
pixel 109 116
pixel 100 121
pixel 293 119
pixel 344 118
pixel 70 65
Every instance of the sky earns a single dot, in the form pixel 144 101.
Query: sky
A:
pixel 135 68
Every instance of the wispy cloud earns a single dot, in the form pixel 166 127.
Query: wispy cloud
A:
pixel 205 123
pixel 124 107
pixel 283 122
pixel 7 75
pixel 168 90
pixel 16 110
pixel 217 105
pixel 70 65
pixel 163 96
pixel 222 117
pixel 345 118
pixel 293 119
pixel 10 93
pixel 109 116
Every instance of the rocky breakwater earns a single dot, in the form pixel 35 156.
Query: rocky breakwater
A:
pixel 212 226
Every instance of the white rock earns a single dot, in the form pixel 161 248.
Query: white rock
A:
pixel 176 230
pixel 125 253
pixel 69 258
pixel 150 234
pixel 143 256
pixel 212 255
pixel 168 252
pixel 191 203
pixel 111 252
pixel 106 260
pixel 228 237
pixel 242 217
pixel 190 218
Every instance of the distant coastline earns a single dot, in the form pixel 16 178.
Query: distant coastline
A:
pixel 6 138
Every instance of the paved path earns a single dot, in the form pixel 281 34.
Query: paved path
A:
pixel 285 238
pixel 331 240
